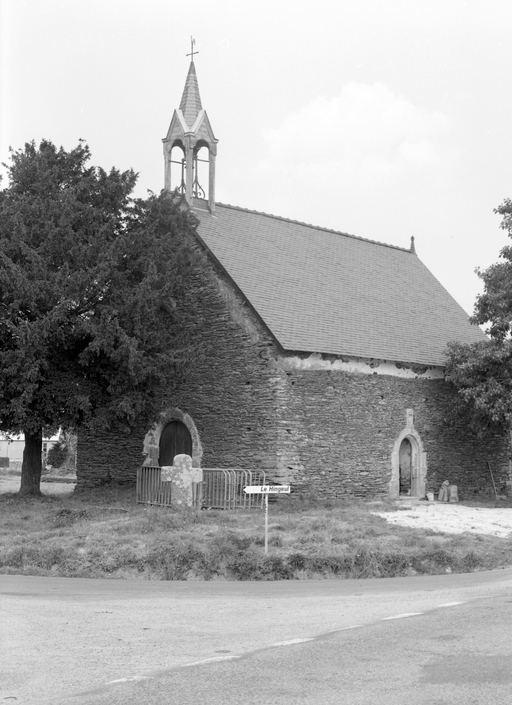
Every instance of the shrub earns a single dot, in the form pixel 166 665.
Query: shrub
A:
pixel 57 455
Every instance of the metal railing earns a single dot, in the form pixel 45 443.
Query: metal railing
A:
pixel 151 489
pixel 222 489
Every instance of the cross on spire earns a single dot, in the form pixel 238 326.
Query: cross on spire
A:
pixel 192 52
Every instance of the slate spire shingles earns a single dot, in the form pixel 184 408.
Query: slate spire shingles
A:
pixel 190 104
pixel 321 291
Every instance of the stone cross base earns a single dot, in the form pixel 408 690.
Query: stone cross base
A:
pixel 186 482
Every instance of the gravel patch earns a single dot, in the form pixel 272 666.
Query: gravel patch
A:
pixel 454 518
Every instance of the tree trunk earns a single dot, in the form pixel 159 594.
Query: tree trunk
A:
pixel 32 463
pixel 509 479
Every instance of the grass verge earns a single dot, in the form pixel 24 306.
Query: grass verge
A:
pixel 104 534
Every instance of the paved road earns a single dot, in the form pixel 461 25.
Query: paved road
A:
pixel 67 636
pixel 457 655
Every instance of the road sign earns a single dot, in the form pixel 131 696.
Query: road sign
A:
pixel 267 489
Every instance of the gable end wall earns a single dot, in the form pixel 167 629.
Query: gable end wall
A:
pixel 229 391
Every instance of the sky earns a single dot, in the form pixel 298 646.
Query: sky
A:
pixel 385 119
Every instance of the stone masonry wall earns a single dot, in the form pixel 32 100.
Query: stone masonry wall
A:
pixel 328 432
pixel 229 391
pixel 103 458
pixel 337 432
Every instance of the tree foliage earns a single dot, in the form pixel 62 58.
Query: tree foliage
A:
pixel 482 372
pixel 57 455
pixel 90 281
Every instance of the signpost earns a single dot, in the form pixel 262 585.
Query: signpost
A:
pixel 266 490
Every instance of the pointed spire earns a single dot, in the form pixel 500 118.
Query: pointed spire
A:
pixel 413 248
pixel 190 104
pixel 190 133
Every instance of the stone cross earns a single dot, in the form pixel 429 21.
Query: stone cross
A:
pixel 186 482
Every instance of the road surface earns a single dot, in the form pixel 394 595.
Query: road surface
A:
pixel 457 654
pixel 105 641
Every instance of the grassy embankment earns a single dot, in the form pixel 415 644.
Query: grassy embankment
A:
pixel 103 533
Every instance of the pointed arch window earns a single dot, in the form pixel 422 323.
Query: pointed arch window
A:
pixel 201 161
pixel 178 166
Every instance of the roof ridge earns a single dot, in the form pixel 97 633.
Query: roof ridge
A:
pixel 316 227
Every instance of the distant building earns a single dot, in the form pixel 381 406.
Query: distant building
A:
pixel 325 354
pixel 12 447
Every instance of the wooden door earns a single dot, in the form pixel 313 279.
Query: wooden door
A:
pixel 418 466
pixel 175 439
pixel 405 465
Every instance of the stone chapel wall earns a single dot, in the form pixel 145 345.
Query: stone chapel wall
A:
pixel 228 392
pixel 327 432
pixel 337 432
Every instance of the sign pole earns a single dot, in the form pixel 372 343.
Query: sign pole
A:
pixel 266 523
pixel 266 490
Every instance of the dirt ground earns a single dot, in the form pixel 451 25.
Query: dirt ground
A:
pixel 11 483
pixel 454 518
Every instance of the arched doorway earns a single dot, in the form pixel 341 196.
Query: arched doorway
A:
pixel 408 463
pixel 174 440
pixel 151 448
pixel 408 466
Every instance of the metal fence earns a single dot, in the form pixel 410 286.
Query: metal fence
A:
pixel 151 489
pixel 222 489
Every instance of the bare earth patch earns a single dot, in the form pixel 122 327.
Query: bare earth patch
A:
pixel 454 518
pixel 10 483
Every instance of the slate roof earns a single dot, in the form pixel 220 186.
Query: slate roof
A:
pixel 190 104
pixel 323 291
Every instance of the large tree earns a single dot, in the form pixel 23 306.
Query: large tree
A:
pixel 90 281
pixel 482 372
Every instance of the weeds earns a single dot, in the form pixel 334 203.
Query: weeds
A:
pixel 103 533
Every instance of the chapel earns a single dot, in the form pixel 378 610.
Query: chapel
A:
pixel 325 354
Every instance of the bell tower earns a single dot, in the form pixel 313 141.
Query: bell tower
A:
pixel 190 147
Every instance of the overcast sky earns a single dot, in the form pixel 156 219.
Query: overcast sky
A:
pixel 380 118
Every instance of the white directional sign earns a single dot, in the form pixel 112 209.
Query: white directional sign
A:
pixel 267 489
